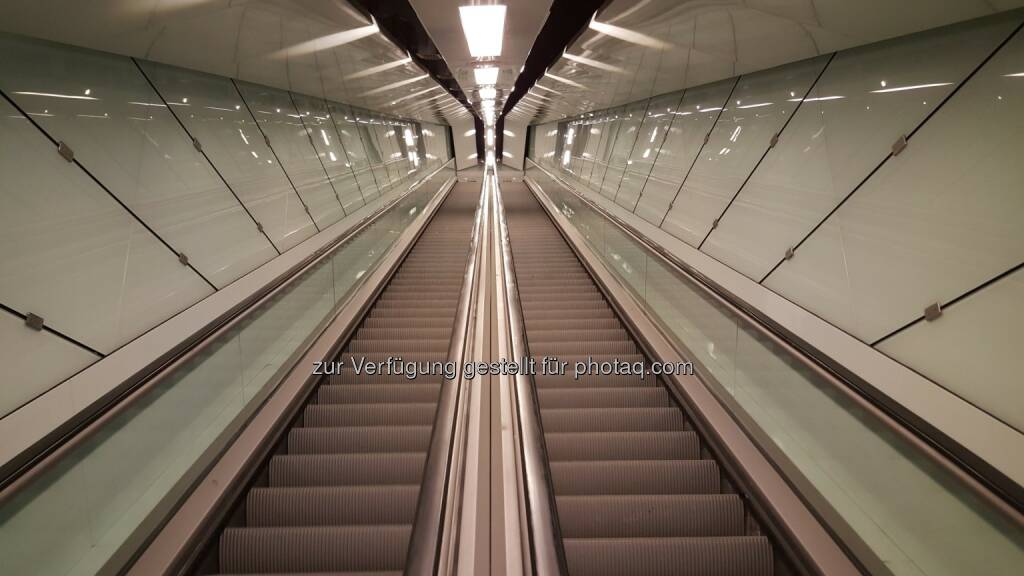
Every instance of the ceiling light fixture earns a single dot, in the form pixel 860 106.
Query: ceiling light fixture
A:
pixel 488 75
pixel 488 93
pixel 484 27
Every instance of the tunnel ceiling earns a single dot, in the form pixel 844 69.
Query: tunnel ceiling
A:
pixel 635 49
pixel 316 47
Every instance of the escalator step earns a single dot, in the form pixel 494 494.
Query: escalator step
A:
pixel 412 414
pixel 651 516
pixel 612 419
pixel 335 505
pixel 720 556
pixel 357 439
pixel 413 392
pixel 567 446
pixel 607 397
pixel 346 469
pixel 314 549
pixel 636 477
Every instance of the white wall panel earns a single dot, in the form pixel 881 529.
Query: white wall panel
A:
pixel 221 121
pixel 694 118
pixel 348 130
pixel 464 133
pixel 71 254
pixel 759 107
pixel 34 361
pixel 513 144
pixel 660 113
pixel 123 133
pixel 625 139
pixel 321 130
pixel 279 120
pixel 866 99
pixel 973 349
pixel 932 223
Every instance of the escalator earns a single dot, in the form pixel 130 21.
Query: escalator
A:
pixel 635 489
pixel 341 496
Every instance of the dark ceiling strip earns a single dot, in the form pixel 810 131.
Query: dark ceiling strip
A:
pixel 566 21
pixel 398 22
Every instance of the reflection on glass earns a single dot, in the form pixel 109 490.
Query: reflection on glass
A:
pixel 325 139
pixel 759 107
pixel 280 122
pixel 625 140
pixel 123 133
pixel 844 128
pixel 219 119
pixel 660 114
pixel 348 130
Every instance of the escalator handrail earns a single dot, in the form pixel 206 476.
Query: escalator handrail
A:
pixel 548 557
pixel 130 391
pixel 996 492
pixel 429 527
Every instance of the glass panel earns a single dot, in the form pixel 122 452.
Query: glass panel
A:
pixel 604 150
pixel 660 113
pixel 932 223
pixel 71 254
pixel 280 121
pixel 625 139
pixel 92 511
pixel 39 358
pixel 867 478
pixel 961 354
pixel 332 155
pixel 759 107
pixel 124 134
pixel 219 119
pixel 866 99
pixel 373 149
pixel 694 118
pixel 348 130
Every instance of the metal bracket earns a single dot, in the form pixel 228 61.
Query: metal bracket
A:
pixel 899 145
pixel 183 258
pixel 306 208
pixel 65 151
pixel 933 312
pixel 267 140
pixel 259 226
pixel 197 145
pixel 789 253
pixel 707 137
pixel 714 223
pixel 34 321
pixel 774 140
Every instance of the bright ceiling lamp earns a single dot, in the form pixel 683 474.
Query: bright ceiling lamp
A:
pixel 487 75
pixel 484 27
pixel 488 93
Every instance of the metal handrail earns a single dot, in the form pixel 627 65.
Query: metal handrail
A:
pixel 929 446
pixel 430 530
pixel 547 555
pixel 133 389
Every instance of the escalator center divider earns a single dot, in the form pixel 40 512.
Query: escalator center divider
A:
pixel 341 494
pixel 635 489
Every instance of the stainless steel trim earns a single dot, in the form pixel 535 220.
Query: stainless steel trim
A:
pixel 547 557
pixel 434 533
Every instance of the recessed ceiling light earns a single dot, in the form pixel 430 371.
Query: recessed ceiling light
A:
pixel 487 75
pixel 488 93
pixel 484 27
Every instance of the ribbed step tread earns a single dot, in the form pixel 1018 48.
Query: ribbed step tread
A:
pixel 721 556
pixel 346 469
pixel 359 439
pixel 412 414
pixel 604 397
pixel 314 549
pixel 612 419
pixel 413 392
pixel 331 506
pixel 651 516
pixel 636 477
pixel 574 446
